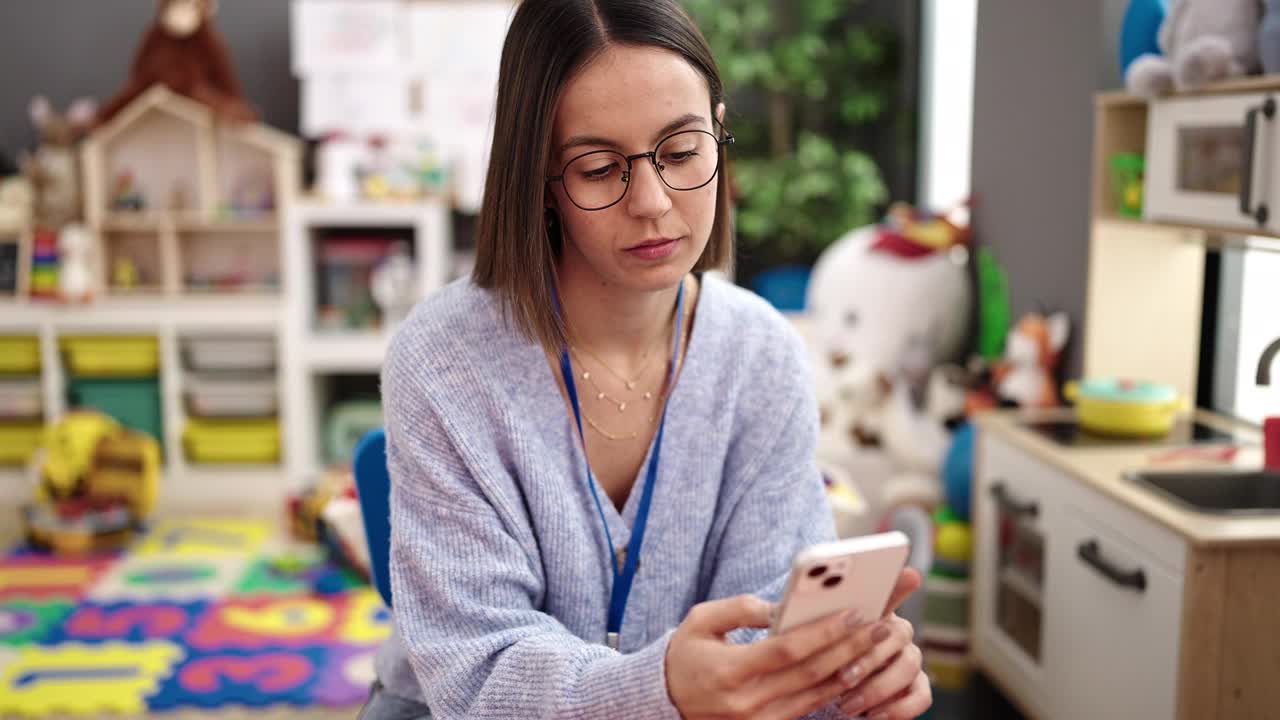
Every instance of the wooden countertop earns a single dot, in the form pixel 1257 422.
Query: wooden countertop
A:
pixel 1103 468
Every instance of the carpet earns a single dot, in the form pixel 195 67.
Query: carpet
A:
pixel 197 614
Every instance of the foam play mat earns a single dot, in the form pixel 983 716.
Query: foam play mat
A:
pixel 198 614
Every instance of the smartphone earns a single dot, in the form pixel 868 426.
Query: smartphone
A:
pixel 856 574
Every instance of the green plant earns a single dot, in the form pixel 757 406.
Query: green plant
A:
pixel 803 83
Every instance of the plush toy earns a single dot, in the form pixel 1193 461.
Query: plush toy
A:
pixel 1026 375
pixel 1203 41
pixel 183 51
pixel 1140 31
pixel 54 169
pixel 888 304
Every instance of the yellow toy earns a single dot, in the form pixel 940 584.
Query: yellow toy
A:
pixel 98 482
pixel 69 446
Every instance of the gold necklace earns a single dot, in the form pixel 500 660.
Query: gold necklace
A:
pixel 631 384
pixel 601 394
pixel 608 435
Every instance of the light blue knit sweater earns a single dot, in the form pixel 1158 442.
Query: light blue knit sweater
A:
pixel 499 565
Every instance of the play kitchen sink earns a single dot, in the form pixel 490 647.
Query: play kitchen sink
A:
pixel 1230 492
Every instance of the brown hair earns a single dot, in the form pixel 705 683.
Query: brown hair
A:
pixel 548 41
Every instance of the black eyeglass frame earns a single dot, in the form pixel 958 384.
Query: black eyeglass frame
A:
pixel 652 155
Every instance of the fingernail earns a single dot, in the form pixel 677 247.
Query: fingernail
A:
pixel 880 634
pixel 852 619
pixel 851 674
pixel 854 706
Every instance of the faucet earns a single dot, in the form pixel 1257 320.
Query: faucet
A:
pixel 1265 362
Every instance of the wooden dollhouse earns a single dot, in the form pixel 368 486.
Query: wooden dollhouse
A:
pixel 181 203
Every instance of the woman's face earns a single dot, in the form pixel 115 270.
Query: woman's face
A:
pixel 627 100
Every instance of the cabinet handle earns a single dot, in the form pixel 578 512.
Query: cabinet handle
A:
pixel 1259 213
pixel 1011 505
pixel 1092 556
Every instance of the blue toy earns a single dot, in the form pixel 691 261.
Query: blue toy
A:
pixel 1140 32
pixel 957 471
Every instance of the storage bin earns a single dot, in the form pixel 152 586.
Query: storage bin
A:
pixel 134 402
pixel 20 399
pixel 232 441
pixel 111 355
pixel 232 395
pixel 19 355
pixel 347 423
pixel 220 353
pixel 18 440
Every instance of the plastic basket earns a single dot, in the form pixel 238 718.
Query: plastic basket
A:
pixel 230 353
pixel 20 399
pixel 19 355
pixel 232 395
pixel 134 403
pixel 112 355
pixel 232 441
pixel 18 441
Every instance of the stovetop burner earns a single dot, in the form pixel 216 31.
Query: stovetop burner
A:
pixel 1185 432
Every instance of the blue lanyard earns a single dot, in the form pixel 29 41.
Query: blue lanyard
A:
pixel 622 579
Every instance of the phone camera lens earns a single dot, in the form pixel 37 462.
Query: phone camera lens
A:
pixel 832 581
pixel 818 571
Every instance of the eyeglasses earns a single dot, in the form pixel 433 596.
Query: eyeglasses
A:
pixel 685 160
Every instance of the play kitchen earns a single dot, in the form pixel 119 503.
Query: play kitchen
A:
pixel 1127 546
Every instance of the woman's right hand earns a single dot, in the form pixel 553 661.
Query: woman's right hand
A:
pixel 783 677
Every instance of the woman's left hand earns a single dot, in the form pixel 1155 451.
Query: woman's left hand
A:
pixel 894 685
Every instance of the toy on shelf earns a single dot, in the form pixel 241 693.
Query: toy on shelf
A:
pixel 124 274
pixel 347 267
pixel 98 482
pixel 393 285
pixel 54 169
pixel 1203 42
pixel 944 633
pixel 1140 31
pixel 1127 174
pixel 75 264
pixel 44 265
pixel 125 194
pixel 183 51
pixel 1026 375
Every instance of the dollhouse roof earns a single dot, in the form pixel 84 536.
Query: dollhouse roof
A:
pixel 162 99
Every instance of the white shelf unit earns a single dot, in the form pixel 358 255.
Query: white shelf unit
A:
pixel 186 486
pixel 315 354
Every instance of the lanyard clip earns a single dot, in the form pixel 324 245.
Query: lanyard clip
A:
pixel 611 639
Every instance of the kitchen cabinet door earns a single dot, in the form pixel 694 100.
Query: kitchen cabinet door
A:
pixel 1114 631
pixel 1012 505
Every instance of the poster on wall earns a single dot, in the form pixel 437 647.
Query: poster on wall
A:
pixel 340 35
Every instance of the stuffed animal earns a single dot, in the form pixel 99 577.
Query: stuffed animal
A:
pixel 54 169
pixel 1204 41
pixel 1026 375
pixel 887 305
pixel 183 51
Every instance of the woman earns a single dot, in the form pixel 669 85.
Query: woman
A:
pixel 632 580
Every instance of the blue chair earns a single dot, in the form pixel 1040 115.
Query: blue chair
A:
pixel 373 486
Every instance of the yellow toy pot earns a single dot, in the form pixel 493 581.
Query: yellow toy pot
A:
pixel 1129 408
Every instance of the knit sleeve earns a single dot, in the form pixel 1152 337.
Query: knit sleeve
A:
pixel 466 592
pixel 779 506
